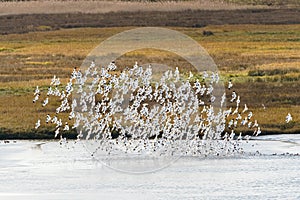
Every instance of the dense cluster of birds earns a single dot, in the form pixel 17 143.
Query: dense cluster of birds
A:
pixel 128 112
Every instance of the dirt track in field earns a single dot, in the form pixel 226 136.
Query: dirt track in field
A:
pixel 105 6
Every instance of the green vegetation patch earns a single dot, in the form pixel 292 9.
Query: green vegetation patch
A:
pixel 38 63
pixel 6 50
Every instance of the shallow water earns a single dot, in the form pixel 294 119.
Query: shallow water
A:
pixel 44 170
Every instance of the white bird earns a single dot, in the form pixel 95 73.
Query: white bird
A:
pixel 56 132
pixel 190 76
pixel 57 82
pixel 245 121
pixel 240 136
pixel 230 84
pixel 38 124
pixel 72 115
pixel 48 118
pixel 230 123
pixel 63 95
pixel 46 101
pixel 247 137
pixel 250 115
pixel 112 66
pixel 37 91
pixel 50 91
pixel 288 118
pixel 223 99
pixel 235 111
pixel 36 98
pixel 53 80
pixel 255 124
pixel 66 128
pixel 58 123
pixel 235 123
pixel 239 117
pixel 238 101
pixel 54 120
pixel 204 75
pixel 245 108
pixel 258 131
pixel 56 92
pixel 249 124
pixel 215 78
pixel 233 96
pixel 176 75
pixel 74 74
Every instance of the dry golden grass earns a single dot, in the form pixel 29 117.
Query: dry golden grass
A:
pixel 272 115
pixel 290 66
pixel 19 113
pixel 273 118
pixel 75 41
pixel 32 59
pixel 232 46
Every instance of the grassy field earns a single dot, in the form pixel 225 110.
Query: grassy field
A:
pixel 263 62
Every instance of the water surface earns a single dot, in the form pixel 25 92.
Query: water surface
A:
pixel 45 170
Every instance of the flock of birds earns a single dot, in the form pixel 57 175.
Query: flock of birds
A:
pixel 130 113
